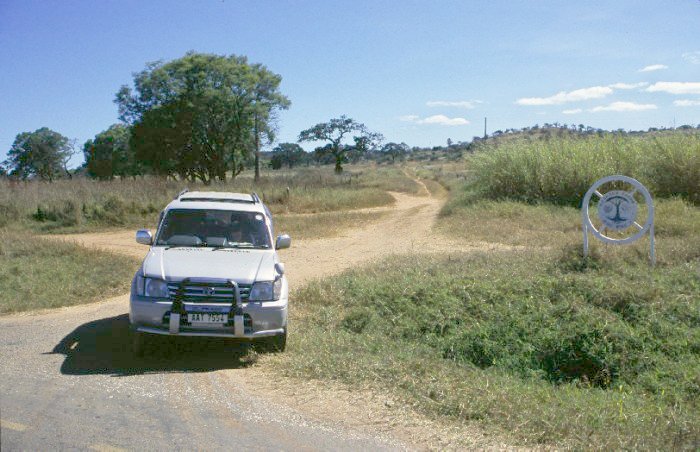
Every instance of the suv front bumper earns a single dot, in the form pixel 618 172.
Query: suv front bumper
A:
pixel 255 320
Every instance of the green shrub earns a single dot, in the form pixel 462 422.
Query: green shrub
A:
pixel 63 213
pixel 113 211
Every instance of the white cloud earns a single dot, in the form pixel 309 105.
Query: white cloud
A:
pixel 572 111
pixel 692 57
pixel 623 106
pixel 444 120
pixel 675 87
pixel 653 67
pixel 594 92
pixel 435 119
pixel 628 85
pixel 686 103
pixel 458 104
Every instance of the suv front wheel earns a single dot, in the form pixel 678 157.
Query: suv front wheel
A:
pixel 275 343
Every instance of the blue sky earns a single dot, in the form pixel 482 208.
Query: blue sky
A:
pixel 417 71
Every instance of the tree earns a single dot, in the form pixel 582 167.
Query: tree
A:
pixel 289 154
pixel 395 150
pixel 42 153
pixel 201 115
pixel 335 131
pixel 109 154
pixel 267 100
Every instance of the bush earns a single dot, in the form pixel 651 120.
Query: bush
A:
pixel 113 211
pixel 63 213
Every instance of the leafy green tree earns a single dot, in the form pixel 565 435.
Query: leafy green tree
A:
pixel 200 115
pixel 322 155
pixel 42 153
pixel 109 154
pixel 289 154
pixel 395 150
pixel 334 131
pixel 266 102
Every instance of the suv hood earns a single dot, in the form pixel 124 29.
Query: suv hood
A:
pixel 244 266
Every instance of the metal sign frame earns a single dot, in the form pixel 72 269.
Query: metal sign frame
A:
pixel 630 203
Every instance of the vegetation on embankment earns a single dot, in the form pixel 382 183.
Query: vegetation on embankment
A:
pixel 542 344
pixel 546 345
pixel 560 170
pixel 38 273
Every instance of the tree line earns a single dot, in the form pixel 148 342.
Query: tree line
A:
pixel 200 117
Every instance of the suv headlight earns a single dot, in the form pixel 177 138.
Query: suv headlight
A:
pixel 151 287
pixel 266 290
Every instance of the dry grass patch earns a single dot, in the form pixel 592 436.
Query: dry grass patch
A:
pixel 37 273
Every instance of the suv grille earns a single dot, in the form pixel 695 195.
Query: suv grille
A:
pixel 209 292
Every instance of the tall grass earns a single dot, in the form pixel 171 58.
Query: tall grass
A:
pixel 560 170
pixel 84 204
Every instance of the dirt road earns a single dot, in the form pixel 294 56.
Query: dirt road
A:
pixel 69 380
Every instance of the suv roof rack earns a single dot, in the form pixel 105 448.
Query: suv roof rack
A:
pixel 255 197
pixel 182 193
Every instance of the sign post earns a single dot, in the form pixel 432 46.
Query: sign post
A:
pixel 617 212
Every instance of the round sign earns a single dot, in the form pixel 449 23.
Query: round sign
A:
pixel 617 210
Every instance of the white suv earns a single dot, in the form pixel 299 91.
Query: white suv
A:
pixel 211 271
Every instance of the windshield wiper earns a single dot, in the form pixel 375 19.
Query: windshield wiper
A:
pixel 244 245
pixel 201 245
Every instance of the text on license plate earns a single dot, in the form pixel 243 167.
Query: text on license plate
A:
pixel 207 317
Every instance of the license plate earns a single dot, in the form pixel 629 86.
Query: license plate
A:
pixel 208 318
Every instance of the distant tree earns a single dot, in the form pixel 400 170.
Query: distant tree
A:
pixel 109 154
pixel 322 155
pixel 335 131
pixel 42 153
pixel 289 154
pixel 395 150
pixel 200 115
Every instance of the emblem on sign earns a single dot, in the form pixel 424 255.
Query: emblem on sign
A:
pixel 617 212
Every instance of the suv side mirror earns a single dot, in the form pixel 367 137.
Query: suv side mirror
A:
pixel 144 237
pixel 283 241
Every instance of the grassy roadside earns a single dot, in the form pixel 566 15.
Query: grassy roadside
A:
pixel 38 273
pixel 83 205
pixel 547 346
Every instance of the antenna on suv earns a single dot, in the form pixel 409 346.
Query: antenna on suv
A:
pixel 182 193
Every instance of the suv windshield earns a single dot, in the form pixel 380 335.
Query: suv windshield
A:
pixel 214 228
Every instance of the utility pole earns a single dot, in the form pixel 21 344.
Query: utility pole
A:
pixel 485 134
